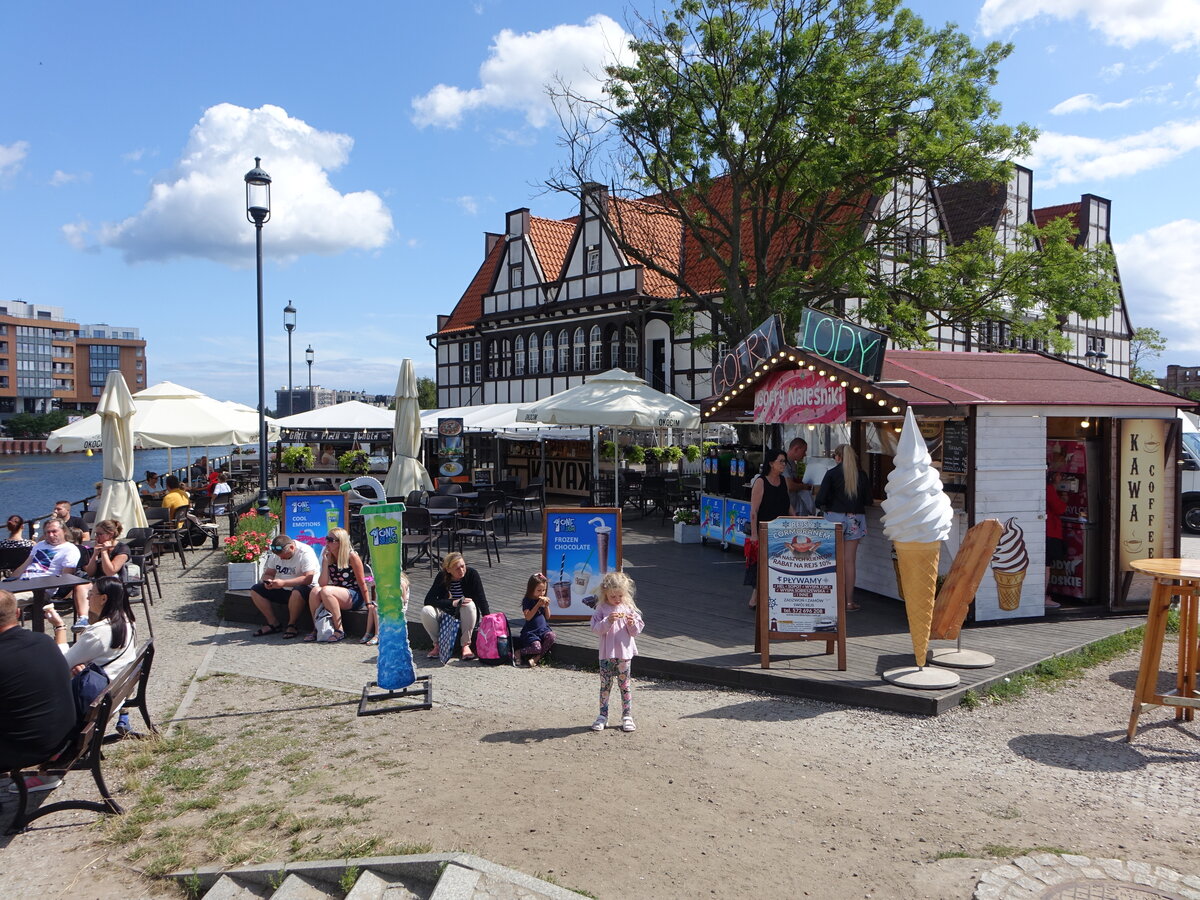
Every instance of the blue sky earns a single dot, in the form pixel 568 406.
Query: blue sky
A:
pixel 397 133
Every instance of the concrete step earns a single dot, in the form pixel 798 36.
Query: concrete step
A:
pixel 228 887
pixel 457 883
pixel 374 886
pixel 298 887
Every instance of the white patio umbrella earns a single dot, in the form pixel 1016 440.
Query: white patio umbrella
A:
pixel 119 499
pixel 407 473
pixel 613 399
pixel 169 415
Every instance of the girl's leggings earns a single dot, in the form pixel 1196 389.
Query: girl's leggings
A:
pixel 619 668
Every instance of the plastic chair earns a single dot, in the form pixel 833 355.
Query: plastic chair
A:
pixel 418 536
pixel 479 527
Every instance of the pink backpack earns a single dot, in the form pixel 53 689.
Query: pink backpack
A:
pixel 493 645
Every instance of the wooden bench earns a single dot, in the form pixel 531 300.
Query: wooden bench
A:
pixel 83 750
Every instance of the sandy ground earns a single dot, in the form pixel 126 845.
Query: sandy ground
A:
pixel 719 793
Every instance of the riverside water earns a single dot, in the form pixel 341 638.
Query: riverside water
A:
pixel 30 485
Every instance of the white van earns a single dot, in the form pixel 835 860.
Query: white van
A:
pixel 1189 476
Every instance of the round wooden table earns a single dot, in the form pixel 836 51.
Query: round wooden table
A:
pixel 1172 578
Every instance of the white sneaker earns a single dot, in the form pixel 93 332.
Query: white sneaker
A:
pixel 627 724
pixel 600 722
pixel 80 625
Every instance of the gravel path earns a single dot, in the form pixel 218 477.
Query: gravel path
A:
pixel 719 793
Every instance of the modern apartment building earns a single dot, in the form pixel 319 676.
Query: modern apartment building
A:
pixel 49 361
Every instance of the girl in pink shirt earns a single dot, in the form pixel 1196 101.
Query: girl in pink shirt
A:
pixel 616 619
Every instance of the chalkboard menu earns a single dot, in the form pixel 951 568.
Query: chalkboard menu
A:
pixel 954 447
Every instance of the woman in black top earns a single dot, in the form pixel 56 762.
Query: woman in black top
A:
pixel 769 500
pixel 845 495
pixel 458 592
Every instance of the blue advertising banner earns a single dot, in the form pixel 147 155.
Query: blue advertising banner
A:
pixel 712 515
pixel 579 547
pixel 737 518
pixel 385 525
pixel 309 516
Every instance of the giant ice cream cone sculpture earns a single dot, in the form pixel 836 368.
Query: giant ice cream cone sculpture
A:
pixel 917 518
pixel 1010 562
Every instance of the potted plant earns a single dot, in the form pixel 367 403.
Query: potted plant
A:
pixel 635 454
pixel 608 451
pixel 687 526
pixel 354 462
pixel 692 452
pixel 654 458
pixel 296 459
pixel 245 551
pixel 672 455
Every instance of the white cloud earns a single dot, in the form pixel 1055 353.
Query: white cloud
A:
pixel 1160 270
pixel 199 207
pixel 1067 159
pixel 1087 103
pixel 134 155
pixel 468 204
pixel 1172 22
pixel 1113 72
pixel 11 157
pixel 520 66
pixel 59 178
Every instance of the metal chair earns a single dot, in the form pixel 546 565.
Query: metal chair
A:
pixel 415 498
pixel 138 570
pixel 501 511
pixel 418 536
pixel 479 527
pixel 443 509
pixel 526 502
pixel 11 557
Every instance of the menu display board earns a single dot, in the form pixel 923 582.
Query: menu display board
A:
pixel 309 516
pixel 579 547
pixel 954 446
pixel 450 447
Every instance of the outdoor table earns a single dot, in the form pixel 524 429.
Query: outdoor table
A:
pixel 1166 572
pixel 39 587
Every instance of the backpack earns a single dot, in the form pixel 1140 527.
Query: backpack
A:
pixel 493 645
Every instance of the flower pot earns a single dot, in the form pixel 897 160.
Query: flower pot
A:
pixel 241 576
pixel 687 534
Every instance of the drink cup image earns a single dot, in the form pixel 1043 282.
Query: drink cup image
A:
pixel 581 582
pixel 602 536
pixel 562 593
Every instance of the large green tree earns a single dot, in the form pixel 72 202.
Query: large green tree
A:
pixel 1147 344
pixel 772 128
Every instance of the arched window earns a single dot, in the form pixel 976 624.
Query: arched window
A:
pixel 631 350
pixel 564 352
pixel 614 349
pixel 534 354
pixel 506 359
pixel 519 356
pixel 595 348
pixel 580 350
pixel 548 353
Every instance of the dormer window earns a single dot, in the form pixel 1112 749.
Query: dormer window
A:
pixel 593 259
pixel 516 277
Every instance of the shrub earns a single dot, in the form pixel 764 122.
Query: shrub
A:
pixel 354 462
pixel 296 459
pixel 635 454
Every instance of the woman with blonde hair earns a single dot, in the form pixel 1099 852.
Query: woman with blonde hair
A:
pixel 845 495
pixel 342 583
pixel 457 592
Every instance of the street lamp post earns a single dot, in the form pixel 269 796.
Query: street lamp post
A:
pixel 308 358
pixel 258 211
pixel 289 322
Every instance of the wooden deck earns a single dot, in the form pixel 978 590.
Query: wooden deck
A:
pixel 698 627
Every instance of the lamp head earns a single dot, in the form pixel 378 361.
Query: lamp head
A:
pixel 289 317
pixel 258 194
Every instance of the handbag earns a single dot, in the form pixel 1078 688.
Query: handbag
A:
pixel 324 625
pixel 448 627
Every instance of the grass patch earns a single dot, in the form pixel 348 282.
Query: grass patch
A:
pixel 235 778
pixel 952 854
pixel 182 778
pixel 351 800
pixel 348 878
pixel 208 801
pixel 294 759
pixel 1052 673
pixel 1000 851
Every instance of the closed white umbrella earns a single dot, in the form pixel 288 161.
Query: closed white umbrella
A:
pixel 119 499
pixel 407 474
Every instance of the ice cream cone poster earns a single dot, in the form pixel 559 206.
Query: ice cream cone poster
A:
pixel 801 576
pixel 1141 491
pixel 579 547
pixel 712 511
pixel 1010 563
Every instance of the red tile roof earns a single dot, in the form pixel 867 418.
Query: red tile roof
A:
pixel 551 241
pixel 470 305
pixel 1048 214
pixel 657 231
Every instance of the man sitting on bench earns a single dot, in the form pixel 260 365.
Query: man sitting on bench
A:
pixel 37 705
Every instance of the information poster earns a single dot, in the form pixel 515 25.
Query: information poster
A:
pixel 450 447
pixel 385 524
pixel 309 516
pixel 802 582
pixel 579 547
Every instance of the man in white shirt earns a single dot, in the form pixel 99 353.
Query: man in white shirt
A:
pixel 50 556
pixel 801 493
pixel 291 571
